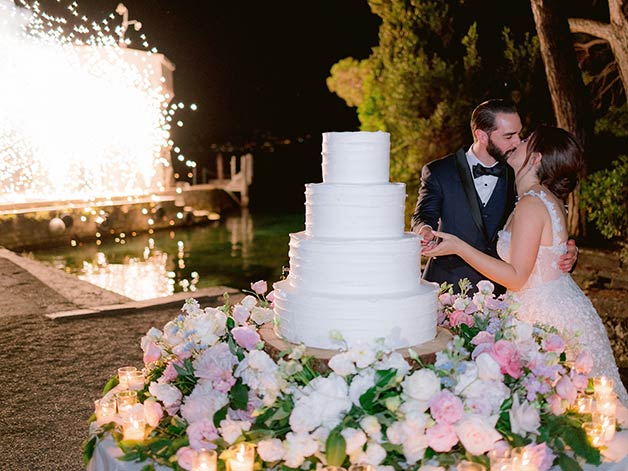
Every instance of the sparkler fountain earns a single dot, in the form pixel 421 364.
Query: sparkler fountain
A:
pixel 85 126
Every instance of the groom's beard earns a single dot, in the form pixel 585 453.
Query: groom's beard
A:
pixel 496 153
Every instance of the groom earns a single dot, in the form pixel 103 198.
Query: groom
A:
pixel 471 193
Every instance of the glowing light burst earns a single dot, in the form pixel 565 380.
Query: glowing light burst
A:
pixel 80 117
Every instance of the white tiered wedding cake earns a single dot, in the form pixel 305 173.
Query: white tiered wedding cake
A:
pixel 354 271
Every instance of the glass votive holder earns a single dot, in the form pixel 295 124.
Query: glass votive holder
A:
pixel 522 459
pixel 204 460
pixel 500 459
pixel 242 457
pixel 584 403
pixel 125 400
pixel 470 466
pixel 608 423
pixel 105 409
pixel 595 433
pixel 606 405
pixel 135 380
pixel 602 385
pixel 333 468
pixel 134 424
pixel 362 467
pixel 123 375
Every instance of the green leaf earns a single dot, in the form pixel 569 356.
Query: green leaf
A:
pixel 220 415
pixel 230 323
pixel 383 377
pixel 567 463
pixel 112 383
pixel 335 448
pixel 367 399
pixel 577 439
pixel 239 395
pixel 148 467
pixel 88 449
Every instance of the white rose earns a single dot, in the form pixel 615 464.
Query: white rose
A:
pixel 231 430
pixel 342 364
pixel 396 433
pixel 421 385
pixel 524 417
pixel 394 361
pixel 363 355
pixel 495 392
pixel 476 434
pixel 375 453
pixel 414 448
pixel 488 368
pixel 168 394
pixel 271 450
pixel 262 315
pixel 298 447
pixel 354 438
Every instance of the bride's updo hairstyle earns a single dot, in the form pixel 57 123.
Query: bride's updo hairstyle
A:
pixel 562 160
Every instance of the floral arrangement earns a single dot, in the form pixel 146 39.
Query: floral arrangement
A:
pixel 500 383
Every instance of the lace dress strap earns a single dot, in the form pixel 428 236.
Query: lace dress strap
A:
pixel 557 225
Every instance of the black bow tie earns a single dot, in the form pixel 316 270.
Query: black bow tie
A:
pixel 496 170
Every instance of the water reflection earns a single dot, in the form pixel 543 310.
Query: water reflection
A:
pixel 241 249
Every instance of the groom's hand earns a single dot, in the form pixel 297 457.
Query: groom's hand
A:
pixel 567 262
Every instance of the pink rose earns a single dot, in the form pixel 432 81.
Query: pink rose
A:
pixel 446 407
pixel 505 353
pixel 541 456
pixel 152 353
pixel 554 343
pixel 584 363
pixel 270 297
pixel 441 437
pixel 152 412
pixel 246 337
pixel 556 404
pixel 201 434
pixel 579 381
pixel 566 389
pixel 241 314
pixel 185 457
pixel 459 317
pixel 170 373
pixel 476 434
pixel 260 287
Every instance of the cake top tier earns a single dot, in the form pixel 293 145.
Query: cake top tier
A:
pixel 356 157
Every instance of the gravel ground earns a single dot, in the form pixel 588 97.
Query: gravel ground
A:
pixel 52 370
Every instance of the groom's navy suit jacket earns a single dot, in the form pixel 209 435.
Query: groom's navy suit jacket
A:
pixel 449 203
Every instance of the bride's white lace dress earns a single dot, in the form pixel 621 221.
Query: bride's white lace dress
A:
pixel 551 296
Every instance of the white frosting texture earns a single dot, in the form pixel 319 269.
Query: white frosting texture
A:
pixel 354 271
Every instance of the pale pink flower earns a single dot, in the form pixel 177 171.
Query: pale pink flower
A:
pixel 541 455
pixel 241 314
pixel 506 354
pixel 554 343
pixel 483 337
pixel 556 404
pixel 524 418
pixel 246 337
pixel 271 450
pixel 260 287
pixel 441 437
pixel 579 381
pixel 445 299
pixel 584 362
pixel 485 287
pixel 152 412
pixel 566 389
pixel 201 434
pixel 270 297
pixel 170 373
pixel 457 318
pixel 185 457
pixel 216 364
pixel 446 407
pixel 476 434
pixel 152 353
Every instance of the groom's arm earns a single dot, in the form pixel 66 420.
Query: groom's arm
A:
pixel 567 262
pixel 427 212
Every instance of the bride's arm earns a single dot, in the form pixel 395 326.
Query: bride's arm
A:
pixel 527 229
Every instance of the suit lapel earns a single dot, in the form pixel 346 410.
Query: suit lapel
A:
pixel 510 197
pixel 469 189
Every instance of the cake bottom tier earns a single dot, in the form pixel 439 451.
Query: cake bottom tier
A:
pixel 402 320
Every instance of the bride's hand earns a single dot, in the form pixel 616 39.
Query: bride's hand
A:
pixel 448 244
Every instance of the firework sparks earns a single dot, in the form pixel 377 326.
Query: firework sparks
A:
pixel 80 117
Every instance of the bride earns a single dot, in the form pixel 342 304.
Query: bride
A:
pixel 546 166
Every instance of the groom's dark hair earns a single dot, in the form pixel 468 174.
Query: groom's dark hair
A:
pixel 483 116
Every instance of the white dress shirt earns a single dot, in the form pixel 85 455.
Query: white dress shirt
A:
pixel 485 184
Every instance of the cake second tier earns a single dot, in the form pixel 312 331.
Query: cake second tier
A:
pixel 350 211
pixel 360 267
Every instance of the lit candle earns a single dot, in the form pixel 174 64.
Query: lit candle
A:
pixel 500 459
pixel 105 410
pixel 243 456
pixel 606 405
pixel 602 385
pixel 125 400
pixel 469 466
pixel 595 433
pixel 123 375
pixel 134 424
pixel 608 423
pixel 362 467
pixel 522 460
pixel 333 468
pixel 135 380
pixel 204 460
pixel 584 403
